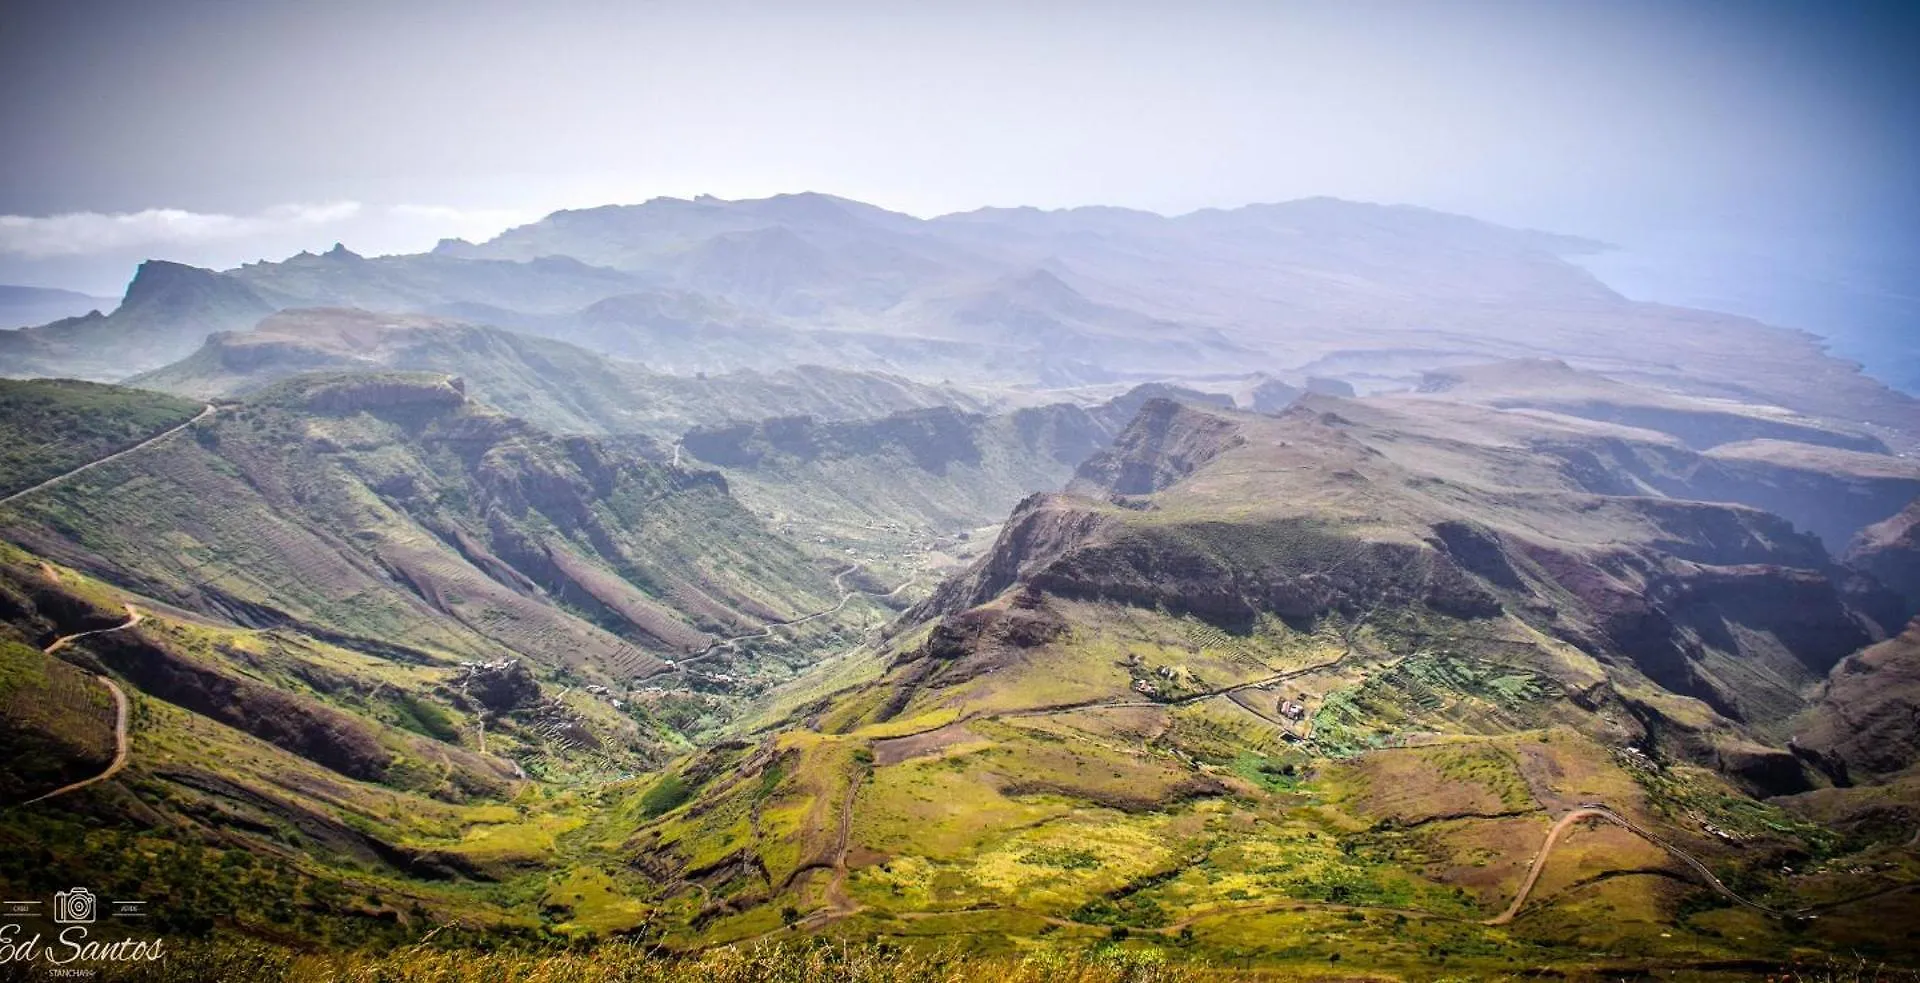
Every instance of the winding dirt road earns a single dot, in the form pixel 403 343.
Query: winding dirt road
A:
pixel 143 445
pixel 119 712
pixel 133 615
pixel 1608 815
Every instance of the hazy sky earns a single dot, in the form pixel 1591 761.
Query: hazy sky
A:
pixel 217 132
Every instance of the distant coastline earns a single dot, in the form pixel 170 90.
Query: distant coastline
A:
pixel 1866 311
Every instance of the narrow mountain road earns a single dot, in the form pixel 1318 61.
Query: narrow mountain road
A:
pixel 133 618
pixel 1600 812
pixel 838 900
pixel 143 445
pixel 119 713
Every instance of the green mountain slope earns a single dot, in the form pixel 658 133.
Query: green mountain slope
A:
pixel 370 632
pixel 393 511
pixel 271 781
pixel 1256 688
pixel 1282 688
pixel 49 427
pixel 549 383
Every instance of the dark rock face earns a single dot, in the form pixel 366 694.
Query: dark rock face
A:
pixel 1703 532
pixel 1041 528
pixel 1223 574
pixel 1802 608
pixel 1478 551
pixel 971 643
pixel 1768 771
pixel 175 288
pixel 1890 552
pixel 1867 722
pixel 1272 396
pixel 500 686
pixel 1325 386
pixel 1833 507
pixel 1164 443
pixel 1661 615
pixel 968 631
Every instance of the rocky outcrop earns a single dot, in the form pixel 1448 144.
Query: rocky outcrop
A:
pixel 1165 442
pixel 1272 396
pixel 1478 550
pixel 1866 723
pixel 499 686
pixel 376 393
pixel 1328 386
pixel 1041 528
pixel 177 290
pixel 1890 552
pixel 972 643
pixel 1218 572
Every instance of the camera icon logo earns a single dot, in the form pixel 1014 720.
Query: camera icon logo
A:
pixel 75 907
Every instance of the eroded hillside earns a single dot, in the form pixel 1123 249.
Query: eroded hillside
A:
pixel 1264 687
pixel 1282 686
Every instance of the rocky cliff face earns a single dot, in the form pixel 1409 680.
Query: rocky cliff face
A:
pixel 1866 723
pixel 1890 552
pixel 1722 603
pixel 932 438
pixel 178 290
pixel 1166 442
pixel 168 310
pixel 1042 529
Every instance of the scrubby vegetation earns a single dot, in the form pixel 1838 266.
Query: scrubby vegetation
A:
pixel 627 962
pixel 1198 735
pixel 50 426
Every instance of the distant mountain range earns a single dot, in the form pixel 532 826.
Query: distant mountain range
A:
pixel 1268 587
pixel 1372 294
pixel 26 306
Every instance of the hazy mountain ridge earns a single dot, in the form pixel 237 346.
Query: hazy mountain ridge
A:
pixel 1069 297
pixel 556 385
pixel 1240 678
pixel 168 309
pixel 27 306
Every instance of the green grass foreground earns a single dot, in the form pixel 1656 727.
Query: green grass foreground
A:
pixel 628 962
pixel 814 961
